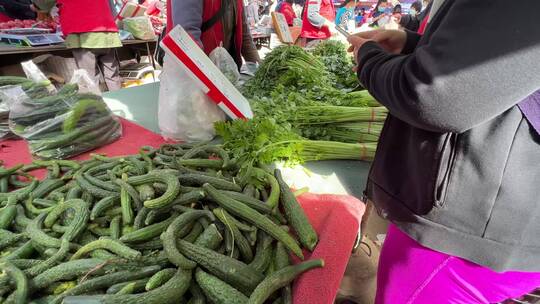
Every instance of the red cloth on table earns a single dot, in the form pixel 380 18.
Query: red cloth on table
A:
pixel 336 218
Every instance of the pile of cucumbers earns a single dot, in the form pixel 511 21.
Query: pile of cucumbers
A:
pixel 60 124
pixel 182 223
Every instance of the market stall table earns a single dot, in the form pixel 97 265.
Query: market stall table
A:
pixel 261 39
pixel 15 54
pixel 336 218
pixel 140 104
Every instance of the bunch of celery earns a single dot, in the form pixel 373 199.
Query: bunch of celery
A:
pixel 300 114
pixel 262 140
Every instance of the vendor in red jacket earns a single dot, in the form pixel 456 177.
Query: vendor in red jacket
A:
pixel 318 20
pixel 213 23
pixel 287 10
pixel 91 32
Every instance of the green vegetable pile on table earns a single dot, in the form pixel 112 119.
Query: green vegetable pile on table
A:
pixel 302 114
pixel 178 224
pixel 62 124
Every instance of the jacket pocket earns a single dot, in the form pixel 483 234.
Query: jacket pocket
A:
pixel 445 166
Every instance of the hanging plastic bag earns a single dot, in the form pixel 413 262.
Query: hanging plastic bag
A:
pixel 185 113
pixel 225 63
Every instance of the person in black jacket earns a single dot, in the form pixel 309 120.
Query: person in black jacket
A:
pixel 457 169
pixel 411 21
pixel 18 9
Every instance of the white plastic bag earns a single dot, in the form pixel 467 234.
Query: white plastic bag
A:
pixel 185 113
pixel 225 63
pixel 85 83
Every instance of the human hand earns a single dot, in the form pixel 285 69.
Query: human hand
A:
pixel 357 41
pixel 392 41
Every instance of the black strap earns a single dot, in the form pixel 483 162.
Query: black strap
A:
pixel 212 21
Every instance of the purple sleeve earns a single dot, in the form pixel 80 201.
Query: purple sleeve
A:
pixel 188 13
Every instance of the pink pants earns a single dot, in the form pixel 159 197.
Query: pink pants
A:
pixel 413 274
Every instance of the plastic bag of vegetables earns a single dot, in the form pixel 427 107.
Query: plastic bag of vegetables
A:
pixel 140 27
pixel 64 124
pixel 10 85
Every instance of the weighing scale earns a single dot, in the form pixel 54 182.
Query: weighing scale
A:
pixel 31 40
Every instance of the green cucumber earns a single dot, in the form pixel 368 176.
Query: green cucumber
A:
pixel 125 201
pixel 182 199
pixel 281 278
pixel 133 194
pixel 254 217
pixel 46 187
pixel 133 287
pixel 282 260
pixel 78 110
pixel 105 185
pixel 199 180
pixel 249 201
pixel 148 232
pixel 7 215
pixel 210 238
pixel 194 233
pixel 90 188
pixel 65 271
pixel 111 245
pixel 169 293
pixel 173 187
pixel 77 134
pixel 160 278
pixel 296 216
pixel 218 291
pixel 23 252
pixel 140 218
pixel 197 295
pixel 39 237
pixel 263 255
pixel 51 261
pixel 8 238
pixel 146 192
pixel 20 194
pixel 25 263
pixel 115 227
pixel 202 163
pixel 172 233
pixel 234 272
pixel 102 205
pixel 32 209
pixel 239 239
pixel 108 280
pixel 79 221
pixel 155 244
pixel 20 295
